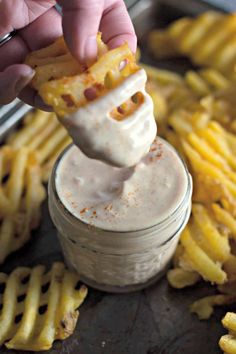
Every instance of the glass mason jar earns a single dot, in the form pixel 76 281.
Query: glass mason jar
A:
pixel 117 261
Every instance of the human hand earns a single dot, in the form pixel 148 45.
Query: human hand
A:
pixel 38 24
pixel 82 19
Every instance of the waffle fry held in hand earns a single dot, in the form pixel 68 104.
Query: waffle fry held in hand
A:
pixel 37 308
pixel 105 108
pixel 208 40
pixel 21 195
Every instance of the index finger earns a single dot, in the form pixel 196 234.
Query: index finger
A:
pixel 117 28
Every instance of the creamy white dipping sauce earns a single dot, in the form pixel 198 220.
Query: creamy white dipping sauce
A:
pixel 119 143
pixel 122 199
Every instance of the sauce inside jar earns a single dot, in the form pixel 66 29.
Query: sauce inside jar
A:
pixel 122 199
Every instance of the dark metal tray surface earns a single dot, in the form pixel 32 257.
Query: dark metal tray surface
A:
pixel 152 321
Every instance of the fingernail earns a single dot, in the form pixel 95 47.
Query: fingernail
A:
pixel 90 50
pixel 24 80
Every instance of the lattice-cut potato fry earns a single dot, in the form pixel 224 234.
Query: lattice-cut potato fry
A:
pixel 226 218
pixel 30 131
pixel 48 311
pixel 66 85
pixel 48 165
pixel 215 79
pixel 162 45
pixel 197 83
pixel 213 243
pixel 162 76
pixel 208 40
pixel 23 192
pixel 67 94
pixel 199 165
pixel 42 134
pixel 204 307
pixel 55 62
pixel 228 342
pixel 180 278
pixel 206 151
pixel 200 261
pixel 230 268
pixel 220 144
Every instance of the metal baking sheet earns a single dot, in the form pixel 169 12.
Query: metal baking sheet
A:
pixel 152 321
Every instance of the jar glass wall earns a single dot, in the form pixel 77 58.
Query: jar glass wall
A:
pixel 117 261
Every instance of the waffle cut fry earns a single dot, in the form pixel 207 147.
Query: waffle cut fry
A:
pixel 67 91
pixel 21 195
pixel 213 158
pixel 204 307
pixel 228 342
pixel 43 134
pixel 38 308
pixel 206 248
pixel 208 40
pixel 55 62
pixel 190 102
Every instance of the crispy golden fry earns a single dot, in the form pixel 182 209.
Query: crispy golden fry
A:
pixel 219 144
pixel 23 193
pixel 215 79
pixel 162 45
pixel 66 85
pixel 43 134
pixel 48 147
pixel 208 40
pixel 179 278
pixel 204 307
pixel 199 165
pixel 228 342
pixel 206 151
pixel 209 190
pixel 162 76
pixel 48 165
pixel 200 261
pixel 206 234
pixel 224 217
pixel 67 94
pixel 230 268
pixel 35 194
pixel 42 316
pixel 197 83
pixel 160 107
pixel 24 136
pixel 55 62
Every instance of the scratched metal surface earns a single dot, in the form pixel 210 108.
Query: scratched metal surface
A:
pixel 152 321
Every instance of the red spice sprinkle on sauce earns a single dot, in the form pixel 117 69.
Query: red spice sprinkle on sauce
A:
pixel 85 210
pixel 108 207
pixel 94 212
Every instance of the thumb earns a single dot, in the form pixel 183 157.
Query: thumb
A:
pixel 13 80
pixel 81 20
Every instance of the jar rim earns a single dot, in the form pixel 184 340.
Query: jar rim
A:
pixel 71 216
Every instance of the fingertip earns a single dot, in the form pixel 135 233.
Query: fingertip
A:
pixel 90 50
pixel 120 40
pixel 31 97
pixel 13 80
